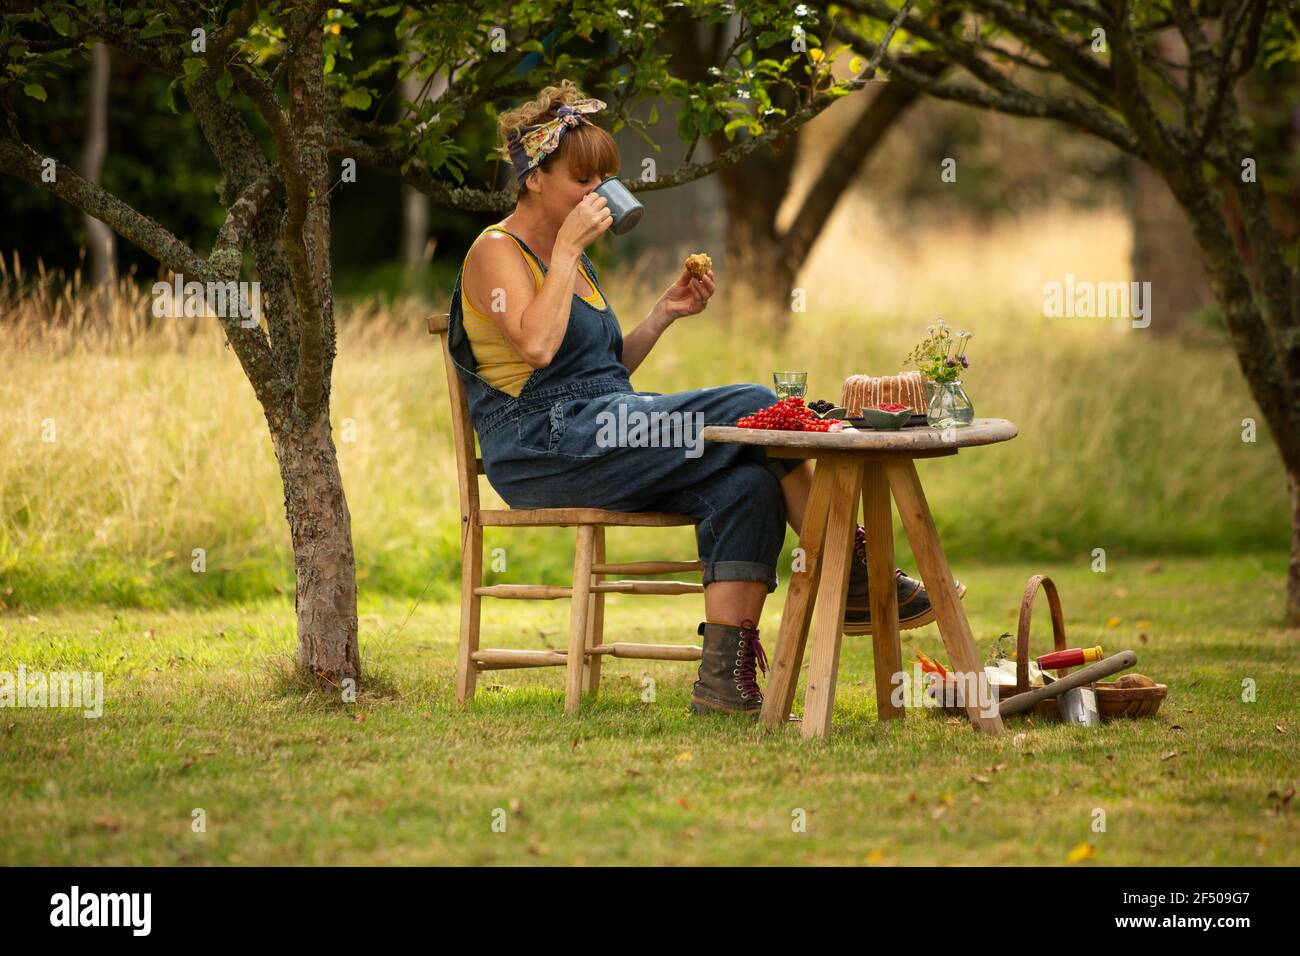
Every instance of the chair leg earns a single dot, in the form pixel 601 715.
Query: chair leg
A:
pixel 595 620
pixel 574 667
pixel 471 576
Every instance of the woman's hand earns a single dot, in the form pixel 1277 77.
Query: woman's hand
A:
pixel 584 223
pixel 687 296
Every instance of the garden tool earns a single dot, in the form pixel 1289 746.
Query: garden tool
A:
pixel 1093 672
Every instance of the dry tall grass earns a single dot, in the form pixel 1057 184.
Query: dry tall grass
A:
pixel 125 443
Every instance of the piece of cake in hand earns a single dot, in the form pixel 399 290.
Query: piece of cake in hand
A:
pixel 699 264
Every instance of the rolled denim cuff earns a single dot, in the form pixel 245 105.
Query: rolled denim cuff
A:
pixel 741 571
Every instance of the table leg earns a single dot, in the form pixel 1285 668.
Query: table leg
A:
pixel 877 517
pixel 783 672
pixel 834 588
pixel 955 630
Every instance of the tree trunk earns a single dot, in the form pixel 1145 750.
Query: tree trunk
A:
pixel 321 529
pixel 1243 307
pixel 1293 572
pixel 100 238
pixel 1165 252
pixel 754 248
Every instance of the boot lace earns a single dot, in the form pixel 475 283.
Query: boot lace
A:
pixel 749 652
pixel 860 549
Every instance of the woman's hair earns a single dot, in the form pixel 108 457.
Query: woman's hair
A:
pixel 590 149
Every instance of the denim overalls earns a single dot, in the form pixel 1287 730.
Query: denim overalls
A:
pixel 551 446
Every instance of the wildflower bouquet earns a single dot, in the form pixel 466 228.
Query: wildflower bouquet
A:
pixel 941 355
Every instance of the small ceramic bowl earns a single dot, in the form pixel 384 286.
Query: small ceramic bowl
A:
pixel 886 421
pixel 835 412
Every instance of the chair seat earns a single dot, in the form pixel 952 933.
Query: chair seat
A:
pixel 565 517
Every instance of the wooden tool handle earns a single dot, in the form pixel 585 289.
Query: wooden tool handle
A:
pixel 1021 702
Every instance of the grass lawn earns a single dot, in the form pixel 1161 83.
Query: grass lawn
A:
pixel 202 712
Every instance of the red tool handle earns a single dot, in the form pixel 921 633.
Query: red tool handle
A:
pixel 1070 657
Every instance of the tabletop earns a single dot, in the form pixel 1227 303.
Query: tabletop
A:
pixel 917 440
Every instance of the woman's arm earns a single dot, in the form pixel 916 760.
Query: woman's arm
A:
pixel 501 285
pixel 638 343
pixel 687 296
pixel 535 320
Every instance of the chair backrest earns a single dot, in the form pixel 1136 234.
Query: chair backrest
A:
pixel 468 465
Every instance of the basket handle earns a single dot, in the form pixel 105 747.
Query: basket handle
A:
pixel 1022 631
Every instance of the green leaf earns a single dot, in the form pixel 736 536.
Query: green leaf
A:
pixel 224 84
pixel 155 27
pixel 357 99
pixel 61 24
pixel 388 11
pixel 35 91
pixel 730 128
pixel 193 66
pixel 329 62
pixel 533 46
pixel 171 96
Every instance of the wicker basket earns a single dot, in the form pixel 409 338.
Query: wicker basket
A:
pixel 1112 701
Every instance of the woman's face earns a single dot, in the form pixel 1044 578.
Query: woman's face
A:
pixel 559 189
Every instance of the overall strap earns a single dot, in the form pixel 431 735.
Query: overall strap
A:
pixel 522 245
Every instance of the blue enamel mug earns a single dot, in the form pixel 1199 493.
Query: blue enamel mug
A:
pixel 622 205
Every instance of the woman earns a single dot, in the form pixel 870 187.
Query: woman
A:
pixel 546 370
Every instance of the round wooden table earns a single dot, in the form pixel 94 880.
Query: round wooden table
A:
pixel 870 463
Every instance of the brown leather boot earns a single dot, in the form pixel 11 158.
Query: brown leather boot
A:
pixel 727 683
pixel 914 608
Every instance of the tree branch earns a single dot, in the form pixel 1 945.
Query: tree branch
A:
pixel 22 162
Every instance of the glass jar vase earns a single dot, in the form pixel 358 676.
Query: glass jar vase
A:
pixel 947 405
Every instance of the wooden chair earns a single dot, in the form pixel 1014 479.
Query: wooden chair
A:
pixel 587 618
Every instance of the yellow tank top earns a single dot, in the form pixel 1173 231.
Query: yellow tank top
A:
pixel 499 362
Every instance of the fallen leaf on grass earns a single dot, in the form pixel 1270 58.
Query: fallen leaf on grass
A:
pixel 1084 851
pixel 683 803
pixel 978 778
pixel 875 856
pixel 361 718
pixel 1114 622
pixel 107 823
pixel 1278 728
pixel 937 812
pixel 684 757
pixel 1172 753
